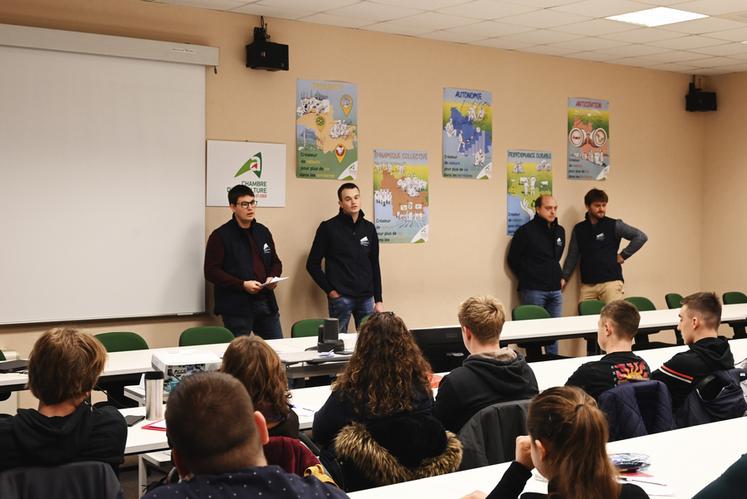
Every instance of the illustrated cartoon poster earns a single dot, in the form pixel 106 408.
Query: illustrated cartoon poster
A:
pixel 256 165
pixel 467 131
pixel 401 196
pixel 326 129
pixel 528 174
pixel 588 139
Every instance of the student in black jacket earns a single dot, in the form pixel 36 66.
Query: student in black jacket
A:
pixel 567 443
pixel 730 485
pixel 490 374
pixel 349 246
pixel 618 324
pixel 700 317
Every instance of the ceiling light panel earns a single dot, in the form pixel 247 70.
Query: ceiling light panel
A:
pixel 658 16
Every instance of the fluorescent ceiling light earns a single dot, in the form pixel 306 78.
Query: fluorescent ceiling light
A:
pixel 657 17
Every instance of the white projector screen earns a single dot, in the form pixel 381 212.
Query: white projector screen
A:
pixel 102 187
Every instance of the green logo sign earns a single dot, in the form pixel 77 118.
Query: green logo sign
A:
pixel 253 164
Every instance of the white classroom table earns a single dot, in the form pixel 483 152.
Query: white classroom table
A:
pixel 685 460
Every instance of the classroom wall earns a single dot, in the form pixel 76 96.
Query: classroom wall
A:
pixel 657 152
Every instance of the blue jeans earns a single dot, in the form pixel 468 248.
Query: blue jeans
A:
pixel 341 308
pixel 552 301
pixel 263 322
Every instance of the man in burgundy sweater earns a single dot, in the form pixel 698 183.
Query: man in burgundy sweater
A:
pixel 241 260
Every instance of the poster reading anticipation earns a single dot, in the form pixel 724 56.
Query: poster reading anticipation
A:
pixel 588 139
pixel 401 196
pixel 467 131
pixel 326 129
pixel 528 174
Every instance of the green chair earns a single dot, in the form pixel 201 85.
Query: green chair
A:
pixel 642 342
pixel 364 320
pixel 306 327
pixel 113 386
pixel 732 298
pixel 533 348
pixel 674 300
pixel 205 335
pixel 591 307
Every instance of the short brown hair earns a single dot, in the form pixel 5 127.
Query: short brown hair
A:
pixel 64 364
pixel 595 196
pixel 210 422
pixel 250 360
pixel 708 305
pixel 484 316
pixel 624 316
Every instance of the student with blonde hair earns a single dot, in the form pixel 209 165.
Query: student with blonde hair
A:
pixel 253 362
pixel 64 366
pixel 567 444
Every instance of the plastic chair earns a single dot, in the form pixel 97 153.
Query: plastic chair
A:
pixel 591 307
pixel 120 341
pixel 642 342
pixel 731 298
pixel 674 300
pixel 205 335
pixel 306 327
pixel 364 320
pixel 530 312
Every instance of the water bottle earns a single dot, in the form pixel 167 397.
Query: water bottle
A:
pixel 153 395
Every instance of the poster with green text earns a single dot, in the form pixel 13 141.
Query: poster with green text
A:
pixel 588 139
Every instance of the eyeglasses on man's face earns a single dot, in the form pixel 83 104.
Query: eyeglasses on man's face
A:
pixel 247 204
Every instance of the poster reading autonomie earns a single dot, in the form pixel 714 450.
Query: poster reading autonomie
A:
pixel 467 134
pixel 588 139
pixel 401 196
pixel 326 130
pixel 528 174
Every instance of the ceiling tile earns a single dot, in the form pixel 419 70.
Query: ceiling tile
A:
pixel 642 35
pixel 316 5
pixel 549 50
pixel 708 71
pixel 598 56
pixel 736 68
pixel 543 36
pixel 544 19
pixel 282 13
pixel 398 28
pixel 734 35
pixel 419 4
pixel 596 27
pixel 332 20
pixel 633 50
pixel 712 62
pixel 595 8
pixel 662 3
pixel 728 50
pixel 452 36
pixel 589 43
pixel 489 29
pixel 714 7
pixel 486 9
pixel 541 4
pixel 376 12
pixel 671 56
pixel 688 42
pixel 677 68
pixel 705 25
pixel 435 21
pixel 503 43
pixel 210 4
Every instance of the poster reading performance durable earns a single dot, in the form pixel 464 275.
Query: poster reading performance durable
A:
pixel 256 165
pixel 326 130
pixel 528 174
pixel 588 139
pixel 401 196
pixel 467 131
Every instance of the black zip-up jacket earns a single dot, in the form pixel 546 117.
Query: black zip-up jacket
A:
pixel 351 257
pixel 534 255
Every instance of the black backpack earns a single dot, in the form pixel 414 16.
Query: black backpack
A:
pixel 716 397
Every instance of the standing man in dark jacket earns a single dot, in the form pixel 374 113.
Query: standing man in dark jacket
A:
pixel 349 245
pixel 596 240
pixel 534 258
pixel 241 260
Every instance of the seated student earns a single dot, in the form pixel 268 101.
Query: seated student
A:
pixel 729 485
pixel 253 362
pixel 490 374
pixel 618 324
pixel 567 444
pixel 700 317
pixel 381 404
pixel 216 440
pixel 64 365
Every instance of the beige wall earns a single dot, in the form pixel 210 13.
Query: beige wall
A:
pixel 657 152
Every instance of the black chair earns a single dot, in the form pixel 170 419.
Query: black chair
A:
pixel 83 480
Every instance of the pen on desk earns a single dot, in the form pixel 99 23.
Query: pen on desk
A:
pixel 641 480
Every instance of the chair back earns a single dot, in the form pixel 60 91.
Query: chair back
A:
pixel 489 437
pixel 637 408
pixel 306 327
pixel 122 341
pixel 642 303
pixel 83 480
pixel 673 300
pixel 732 297
pixel 364 320
pixel 290 454
pixel 529 312
pixel 205 335
pixel 590 307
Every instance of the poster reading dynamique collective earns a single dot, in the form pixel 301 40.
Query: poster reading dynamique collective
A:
pixel 326 130
pixel 401 196
pixel 588 139
pixel 467 131
pixel 528 174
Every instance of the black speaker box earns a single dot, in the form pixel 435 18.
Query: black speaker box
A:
pixel 700 101
pixel 267 55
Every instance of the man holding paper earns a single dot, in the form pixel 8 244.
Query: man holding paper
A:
pixel 242 263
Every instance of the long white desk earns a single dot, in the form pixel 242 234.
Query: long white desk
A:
pixel 686 460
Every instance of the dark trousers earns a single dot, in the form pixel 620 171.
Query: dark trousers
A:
pixel 263 322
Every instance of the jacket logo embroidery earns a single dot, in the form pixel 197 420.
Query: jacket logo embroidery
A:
pixel 266 249
pixel 364 241
pixel 559 242
pixel 599 237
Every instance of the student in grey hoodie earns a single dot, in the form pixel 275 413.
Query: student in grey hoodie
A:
pixel 490 374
